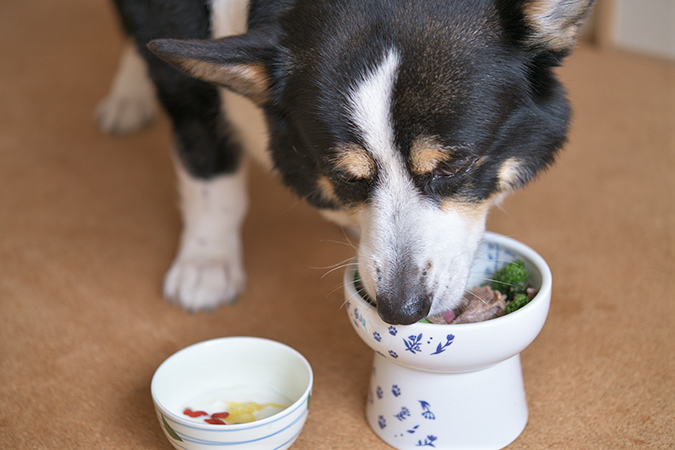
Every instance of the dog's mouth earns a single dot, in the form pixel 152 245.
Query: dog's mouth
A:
pixel 419 268
pixel 407 292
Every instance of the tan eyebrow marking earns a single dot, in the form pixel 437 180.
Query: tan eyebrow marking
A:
pixel 426 153
pixel 354 160
pixel 474 210
pixel 326 190
pixel 510 174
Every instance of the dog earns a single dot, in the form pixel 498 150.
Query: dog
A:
pixel 407 119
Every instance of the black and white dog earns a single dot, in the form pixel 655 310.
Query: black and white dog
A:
pixel 406 118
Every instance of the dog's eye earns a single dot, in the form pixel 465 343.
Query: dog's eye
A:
pixel 345 177
pixel 452 168
pixel 350 189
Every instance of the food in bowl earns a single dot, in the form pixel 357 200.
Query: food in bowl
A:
pixel 233 413
pixel 506 291
pixel 264 386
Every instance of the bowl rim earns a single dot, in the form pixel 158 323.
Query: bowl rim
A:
pixel 298 404
pixel 489 237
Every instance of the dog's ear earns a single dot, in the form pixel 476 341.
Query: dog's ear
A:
pixel 240 63
pixel 552 25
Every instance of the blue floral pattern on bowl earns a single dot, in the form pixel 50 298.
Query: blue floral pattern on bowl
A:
pixel 395 345
pixel 414 416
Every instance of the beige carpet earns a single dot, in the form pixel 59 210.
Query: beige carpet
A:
pixel 88 226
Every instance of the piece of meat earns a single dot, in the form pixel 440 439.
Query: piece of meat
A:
pixel 447 317
pixel 531 293
pixel 484 304
pixel 479 304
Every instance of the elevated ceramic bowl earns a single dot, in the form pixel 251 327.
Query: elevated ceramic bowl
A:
pixel 241 369
pixel 453 386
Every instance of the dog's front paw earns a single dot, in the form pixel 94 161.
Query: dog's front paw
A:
pixel 203 284
pixel 124 114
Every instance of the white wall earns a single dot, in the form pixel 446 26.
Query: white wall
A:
pixel 646 26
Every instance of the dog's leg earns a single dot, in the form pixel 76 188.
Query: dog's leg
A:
pixel 130 104
pixel 208 270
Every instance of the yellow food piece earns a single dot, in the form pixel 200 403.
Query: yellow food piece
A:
pixel 244 412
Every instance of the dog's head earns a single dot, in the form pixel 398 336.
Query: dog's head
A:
pixel 411 116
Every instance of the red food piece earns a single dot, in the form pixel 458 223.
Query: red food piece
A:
pixel 220 415
pixel 215 421
pixel 190 413
pixel 448 316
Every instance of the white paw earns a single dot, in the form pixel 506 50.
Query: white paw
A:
pixel 124 114
pixel 130 105
pixel 203 284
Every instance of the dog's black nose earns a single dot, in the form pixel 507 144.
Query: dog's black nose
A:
pixel 401 297
pixel 403 311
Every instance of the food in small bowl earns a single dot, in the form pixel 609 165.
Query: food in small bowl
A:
pixel 235 393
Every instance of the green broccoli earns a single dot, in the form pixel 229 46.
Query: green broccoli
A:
pixel 517 303
pixel 510 280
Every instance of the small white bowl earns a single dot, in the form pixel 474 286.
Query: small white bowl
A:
pixel 237 369
pixel 453 386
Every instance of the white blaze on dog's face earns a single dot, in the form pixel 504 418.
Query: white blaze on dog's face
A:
pixel 415 254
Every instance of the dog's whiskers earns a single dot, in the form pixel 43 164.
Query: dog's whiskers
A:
pixel 492 280
pixel 334 241
pixel 334 290
pixel 468 291
pixel 341 266
pixel 332 266
pixel 357 292
pixel 349 241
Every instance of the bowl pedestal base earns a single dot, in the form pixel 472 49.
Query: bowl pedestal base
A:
pixel 409 408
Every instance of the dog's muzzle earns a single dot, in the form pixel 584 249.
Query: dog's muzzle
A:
pixel 404 299
pixel 406 312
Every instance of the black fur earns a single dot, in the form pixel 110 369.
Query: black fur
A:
pixel 468 76
pixel 203 140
